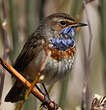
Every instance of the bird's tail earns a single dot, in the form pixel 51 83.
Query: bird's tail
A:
pixel 16 93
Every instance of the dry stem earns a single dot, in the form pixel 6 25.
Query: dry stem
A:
pixel 34 91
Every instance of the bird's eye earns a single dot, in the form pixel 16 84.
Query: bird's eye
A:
pixel 62 22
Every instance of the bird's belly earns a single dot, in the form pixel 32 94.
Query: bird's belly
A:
pixel 53 70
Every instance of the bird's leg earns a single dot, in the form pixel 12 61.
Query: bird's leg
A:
pixel 46 92
pixel 39 89
pixel 47 98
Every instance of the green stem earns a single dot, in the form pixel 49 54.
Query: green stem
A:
pixel 102 10
pixel 14 29
pixel 30 17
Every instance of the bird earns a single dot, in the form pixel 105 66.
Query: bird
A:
pixel 55 35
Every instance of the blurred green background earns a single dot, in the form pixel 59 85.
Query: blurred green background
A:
pixel 22 17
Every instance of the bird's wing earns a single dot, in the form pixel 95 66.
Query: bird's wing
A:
pixel 30 50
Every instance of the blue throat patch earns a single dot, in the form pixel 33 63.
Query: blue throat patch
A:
pixel 64 43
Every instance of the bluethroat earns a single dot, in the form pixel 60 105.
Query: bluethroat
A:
pixel 55 34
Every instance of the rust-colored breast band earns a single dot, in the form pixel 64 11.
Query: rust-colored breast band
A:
pixel 60 55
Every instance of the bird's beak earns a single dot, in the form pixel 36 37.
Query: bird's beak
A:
pixel 79 25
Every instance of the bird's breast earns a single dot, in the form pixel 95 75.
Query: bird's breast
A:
pixel 61 55
pixel 57 65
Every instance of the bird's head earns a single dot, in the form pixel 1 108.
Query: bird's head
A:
pixel 61 28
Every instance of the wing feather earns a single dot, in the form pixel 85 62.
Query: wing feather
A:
pixel 29 51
